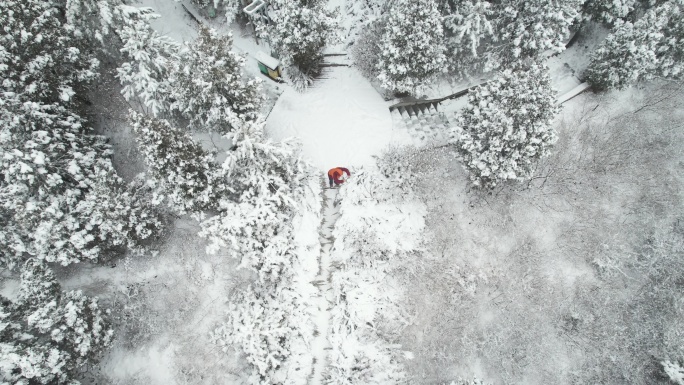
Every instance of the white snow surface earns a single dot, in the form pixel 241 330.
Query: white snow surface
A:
pixel 340 121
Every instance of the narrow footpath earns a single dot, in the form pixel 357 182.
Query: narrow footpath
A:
pixel 324 300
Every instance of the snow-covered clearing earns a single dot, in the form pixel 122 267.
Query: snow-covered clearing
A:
pixel 341 121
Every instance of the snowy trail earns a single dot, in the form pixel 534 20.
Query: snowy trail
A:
pixel 324 300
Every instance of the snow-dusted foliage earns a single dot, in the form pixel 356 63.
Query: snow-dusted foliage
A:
pixel 184 174
pixel 230 8
pixel 270 321
pixel 469 31
pixel 468 24
pixel 299 31
pixel 674 371
pixel 148 59
pixel 366 49
pixel 39 58
pixel 528 28
pixel 378 228
pixel 411 46
pixel 48 335
pixel 269 324
pixel 208 86
pixel 507 126
pixel 608 11
pixel 262 178
pixel 60 197
pixel 652 46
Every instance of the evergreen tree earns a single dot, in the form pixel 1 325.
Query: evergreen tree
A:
pixel 61 198
pixel 230 8
pixel 528 28
pixel 48 335
pixel 608 11
pixel 39 58
pixel 263 179
pixel 411 48
pixel 653 46
pixel 185 174
pixel 209 88
pixel 507 126
pixel 299 32
pixel 467 25
pixel 149 57
pixel 57 177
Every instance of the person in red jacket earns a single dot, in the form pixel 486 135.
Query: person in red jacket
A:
pixel 335 175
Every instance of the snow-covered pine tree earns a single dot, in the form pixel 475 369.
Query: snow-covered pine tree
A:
pixel 62 200
pixel 185 174
pixel 637 51
pixel 264 179
pixel 230 8
pixel 299 32
pixel 507 126
pixel 269 321
pixel 671 50
pixel 57 176
pixel 608 11
pixel 467 24
pixel 412 45
pixel 528 28
pixel 209 87
pixel 149 56
pixel 39 58
pixel 48 335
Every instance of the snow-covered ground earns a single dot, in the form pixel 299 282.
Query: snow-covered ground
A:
pixel 423 282
pixel 340 121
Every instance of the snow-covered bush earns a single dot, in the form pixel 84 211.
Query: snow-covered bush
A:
pixel 608 11
pixel 411 45
pixel 652 46
pixel 528 28
pixel 299 32
pixel 186 175
pixel 48 335
pixel 209 88
pixel 507 126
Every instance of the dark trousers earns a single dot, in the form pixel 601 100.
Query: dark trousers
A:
pixel 331 180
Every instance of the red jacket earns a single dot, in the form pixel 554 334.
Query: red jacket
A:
pixel 336 173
